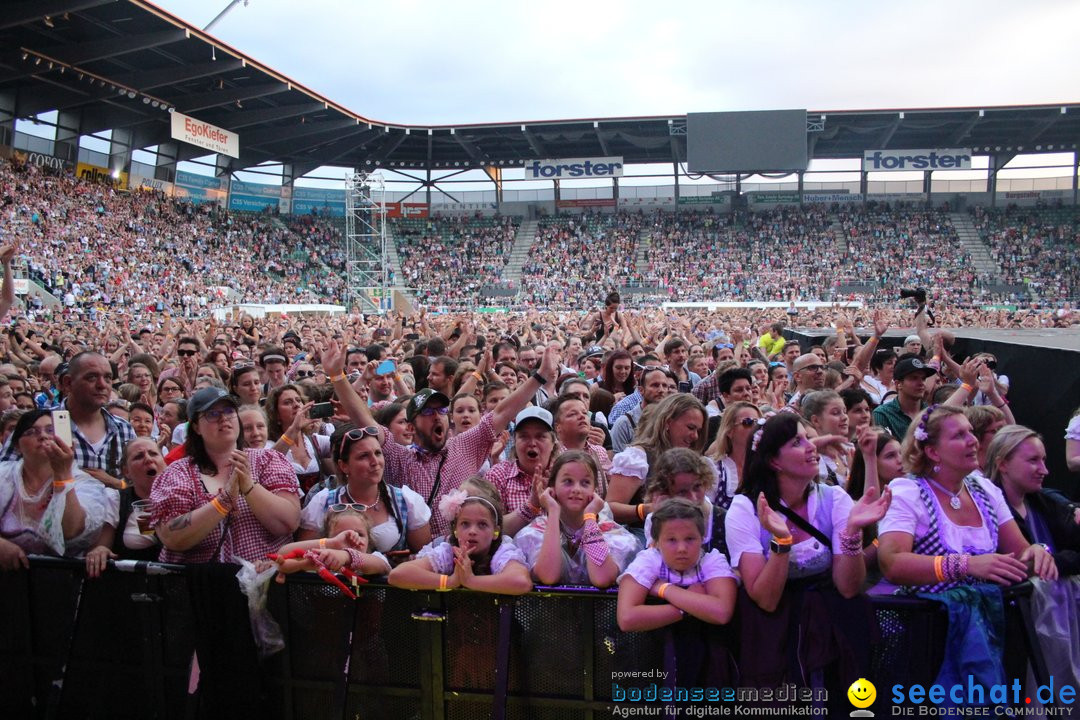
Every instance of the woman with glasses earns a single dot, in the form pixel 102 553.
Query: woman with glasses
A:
pixel 47 505
pixel 728 450
pixel 220 503
pixel 399 517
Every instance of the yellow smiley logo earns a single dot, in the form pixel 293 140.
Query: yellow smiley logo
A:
pixel 862 693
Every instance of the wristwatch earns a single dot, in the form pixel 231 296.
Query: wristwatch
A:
pixel 539 378
pixel 779 549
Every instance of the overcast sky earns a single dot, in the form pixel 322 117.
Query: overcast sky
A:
pixel 422 61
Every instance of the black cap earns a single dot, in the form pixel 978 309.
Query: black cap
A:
pixel 420 400
pixel 907 366
pixel 206 398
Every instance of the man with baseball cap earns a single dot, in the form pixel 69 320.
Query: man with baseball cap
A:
pixel 436 464
pixel 809 376
pixel 909 375
pixel 534 445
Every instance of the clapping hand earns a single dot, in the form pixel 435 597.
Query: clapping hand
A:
pixel 870 508
pixel 770 519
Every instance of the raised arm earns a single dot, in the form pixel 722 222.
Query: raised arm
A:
pixel 518 400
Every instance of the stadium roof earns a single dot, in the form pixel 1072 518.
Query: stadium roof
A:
pixel 120 64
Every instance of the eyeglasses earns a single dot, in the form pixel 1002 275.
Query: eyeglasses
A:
pixel 171 388
pixel 47 431
pixel 748 422
pixel 357 434
pixel 342 507
pixel 187 353
pixel 224 412
pixel 429 411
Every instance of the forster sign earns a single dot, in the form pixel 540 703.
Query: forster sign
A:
pixel 205 135
pixel 574 168
pixel 900 160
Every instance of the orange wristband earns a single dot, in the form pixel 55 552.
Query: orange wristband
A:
pixel 783 540
pixel 443 580
pixel 219 507
pixel 334 379
pixel 939 561
pixel 322 543
pixel 590 516
pixel 661 590
pixel 641 511
pixel 285 439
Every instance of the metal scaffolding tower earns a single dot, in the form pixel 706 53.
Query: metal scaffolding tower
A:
pixel 367 267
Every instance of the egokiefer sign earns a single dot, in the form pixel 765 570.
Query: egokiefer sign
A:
pixel 205 135
pixel 900 160
pixel 574 168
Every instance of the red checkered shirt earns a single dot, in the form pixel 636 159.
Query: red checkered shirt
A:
pixel 513 483
pixel 416 468
pixel 179 490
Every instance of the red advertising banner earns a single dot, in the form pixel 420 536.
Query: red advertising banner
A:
pixel 588 202
pixel 406 210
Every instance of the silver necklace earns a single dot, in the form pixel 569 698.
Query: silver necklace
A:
pixel 954 498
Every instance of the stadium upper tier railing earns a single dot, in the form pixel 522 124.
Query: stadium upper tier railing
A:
pixel 121 646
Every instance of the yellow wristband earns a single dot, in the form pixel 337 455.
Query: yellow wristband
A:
pixel 590 516
pixel 334 379
pixel 661 590
pixel 285 439
pixel 219 507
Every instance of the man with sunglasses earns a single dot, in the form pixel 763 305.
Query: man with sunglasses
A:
pixel 436 464
pixel 187 349
pixel 809 376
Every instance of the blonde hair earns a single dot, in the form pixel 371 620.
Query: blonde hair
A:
pixel 652 436
pixel 722 445
pixel 333 517
pixel 914 451
pixel 1004 445
pixel 982 417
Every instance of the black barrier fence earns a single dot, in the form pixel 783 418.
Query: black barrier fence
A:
pixel 121 646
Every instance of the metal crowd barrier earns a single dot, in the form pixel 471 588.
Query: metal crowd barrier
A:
pixel 120 646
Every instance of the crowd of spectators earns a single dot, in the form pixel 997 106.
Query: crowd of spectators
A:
pixel 97 248
pixel 571 256
pixel 1034 247
pixel 447 261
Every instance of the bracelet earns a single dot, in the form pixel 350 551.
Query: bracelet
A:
pixel 443 580
pixel 285 439
pixel 590 516
pixel 875 542
pixel 342 376
pixel 965 386
pixel 479 378
pixel 787 540
pixel 641 511
pixel 322 543
pixel 539 378
pixel 61 484
pixel 123 484
pixel 528 512
pixel 661 590
pixel 356 560
pixel 245 494
pixel 219 507
pixel 851 544
pixel 938 572
pixel 1004 402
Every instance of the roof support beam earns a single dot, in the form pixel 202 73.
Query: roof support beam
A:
pixel 287 136
pixel 148 79
pixel 247 118
pixel 27 11
pixel 602 140
pixel 964 130
pixel 469 148
pixel 217 98
pixel 120 45
pixel 534 143
pixel 889 132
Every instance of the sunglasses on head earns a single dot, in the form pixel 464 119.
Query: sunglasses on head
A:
pixel 304 374
pixel 357 434
pixel 342 507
